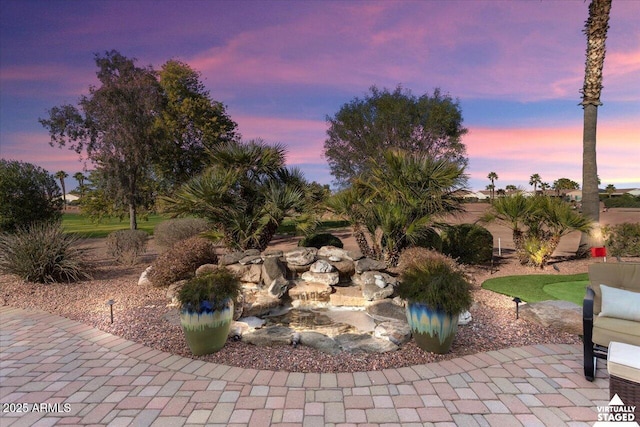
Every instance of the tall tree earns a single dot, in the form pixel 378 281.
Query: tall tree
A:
pixel 116 126
pixel 61 175
pixel 596 28
pixel 492 177
pixel 366 128
pixel 193 123
pixel 535 180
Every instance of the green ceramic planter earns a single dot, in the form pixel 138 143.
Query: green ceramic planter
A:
pixel 207 332
pixel 433 330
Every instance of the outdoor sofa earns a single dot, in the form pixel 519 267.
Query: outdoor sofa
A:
pixel 611 310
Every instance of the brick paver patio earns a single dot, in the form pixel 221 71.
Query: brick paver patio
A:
pixel 78 375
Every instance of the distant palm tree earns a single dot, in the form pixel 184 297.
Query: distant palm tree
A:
pixel 535 180
pixel 610 189
pixel 61 175
pixel 492 177
pixel 78 176
pixel 596 30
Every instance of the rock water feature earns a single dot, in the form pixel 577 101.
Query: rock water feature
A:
pixel 329 299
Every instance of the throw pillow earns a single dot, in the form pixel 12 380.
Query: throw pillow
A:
pixel 620 304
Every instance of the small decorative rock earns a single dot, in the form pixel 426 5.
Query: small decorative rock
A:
pixel 144 278
pixel 301 256
pixel 464 318
pixel 368 264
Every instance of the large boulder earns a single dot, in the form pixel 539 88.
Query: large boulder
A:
pixel 386 310
pixel 259 303
pixel 333 252
pixel 272 335
pixel 273 269
pixel 301 256
pixel 349 296
pixel 320 342
pixel 368 264
pixel 373 292
pixel 321 266
pixel 324 278
pixel 308 292
pixel 563 315
pixel 364 343
pixel 230 258
pixel 395 331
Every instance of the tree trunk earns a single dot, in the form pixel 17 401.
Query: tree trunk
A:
pixel 596 30
pixel 133 223
pixel 590 198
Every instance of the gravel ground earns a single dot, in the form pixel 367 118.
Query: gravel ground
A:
pixel 139 315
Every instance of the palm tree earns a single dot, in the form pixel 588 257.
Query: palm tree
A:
pixel 78 176
pixel 596 30
pixel 535 180
pixel 61 175
pixel 512 211
pixel 610 189
pixel 492 177
pixel 398 202
pixel 245 193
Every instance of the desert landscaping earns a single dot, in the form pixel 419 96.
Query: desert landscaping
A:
pixel 143 313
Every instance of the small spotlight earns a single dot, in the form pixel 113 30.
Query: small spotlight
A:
pixel 110 304
pixel 556 268
pixel 517 301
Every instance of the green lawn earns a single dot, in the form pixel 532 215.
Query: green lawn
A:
pixel 83 226
pixel 541 287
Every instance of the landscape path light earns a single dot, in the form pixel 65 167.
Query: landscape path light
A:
pixel 517 301
pixel 110 304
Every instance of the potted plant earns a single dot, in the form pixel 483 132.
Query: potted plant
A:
pixel 206 309
pixel 437 290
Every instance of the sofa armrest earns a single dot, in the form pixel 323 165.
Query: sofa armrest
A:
pixel 590 363
pixel 587 306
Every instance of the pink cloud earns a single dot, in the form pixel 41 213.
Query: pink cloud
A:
pixel 304 139
pixel 517 153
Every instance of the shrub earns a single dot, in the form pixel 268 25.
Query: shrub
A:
pixel 537 251
pixel 28 194
pixel 431 240
pixel 624 201
pixel 469 243
pixel 623 239
pixel 42 253
pixel 210 291
pixel 181 261
pixel 436 280
pixel 127 245
pixel 170 232
pixel 320 240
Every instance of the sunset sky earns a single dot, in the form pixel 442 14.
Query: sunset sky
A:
pixel 281 67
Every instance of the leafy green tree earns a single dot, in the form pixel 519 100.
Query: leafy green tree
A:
pixel 116 126
pixel 595 29
pixel 246 193
pixel 366 128
pixel 511 188
pixel 398 202
pixel 28 194
pixel 192 123
pixel 563 184
pixel 61 175
pixel 492 177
